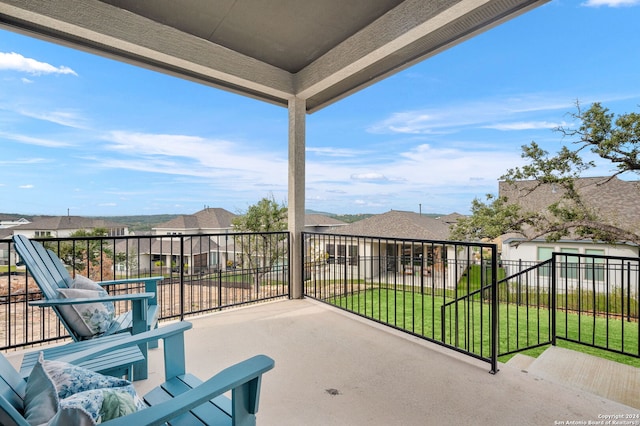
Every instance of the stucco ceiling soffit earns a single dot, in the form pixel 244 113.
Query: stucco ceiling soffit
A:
pixel 406 35
pixel 100 28
pixel 317 50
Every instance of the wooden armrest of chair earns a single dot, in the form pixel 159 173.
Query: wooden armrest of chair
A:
pixel 83 300
pixel 242 379
pixel 172 334
pixel 150 285
pixel 131 281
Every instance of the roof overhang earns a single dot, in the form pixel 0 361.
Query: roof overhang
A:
pixel 316 50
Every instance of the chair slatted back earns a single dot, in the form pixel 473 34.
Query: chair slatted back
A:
pixel 12 388
pixel 62 270
pixel 49 275
pixel 44 271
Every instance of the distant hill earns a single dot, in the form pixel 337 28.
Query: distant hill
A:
pixel 13 216
pixel 147 222
pixel 140 222
pixel 348 218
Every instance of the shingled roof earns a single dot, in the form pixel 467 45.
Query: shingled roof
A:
pixel 206 219
pixel 314 219
pixel 52 223
pixel 398 224
pixel 615 201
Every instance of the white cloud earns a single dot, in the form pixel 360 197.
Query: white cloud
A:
pixel 16 62
pixel 29 186
pixel 29 140
pixel 23 162
pixel 368 176
pixel 64 118
pixel 162 144
pixel 409 122
pixel 221 161
pixel 524 125
pixel 611 3
pixel 451 118
pixel 333 152
pixel 438 176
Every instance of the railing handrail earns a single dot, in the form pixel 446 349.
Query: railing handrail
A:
pixel 525 271
pixel 197 277
pixel 414 240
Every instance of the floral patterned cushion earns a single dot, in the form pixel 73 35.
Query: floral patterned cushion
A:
pixel 70 379
pixel 90 319
pixel 59 393
pixel 95 406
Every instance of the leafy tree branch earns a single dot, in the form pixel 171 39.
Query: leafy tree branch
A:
pixel 600 132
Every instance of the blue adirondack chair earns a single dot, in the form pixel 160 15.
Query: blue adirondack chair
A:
pixel 50 274
pixel 182 399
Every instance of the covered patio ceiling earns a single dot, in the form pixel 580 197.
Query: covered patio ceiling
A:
pixel 300 54
pixel 272 50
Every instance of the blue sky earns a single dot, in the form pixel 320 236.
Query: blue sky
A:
pixel 91 136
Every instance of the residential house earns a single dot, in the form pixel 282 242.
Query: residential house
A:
pixel 58 227
pixel 314 222
pixel 8 221
pixel 378 244
pixel 451 219
pixel 207 221
pixel 160 255
pixel 201 254
pixel 616 201
pixel 64 226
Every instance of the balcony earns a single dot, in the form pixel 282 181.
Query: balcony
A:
pixel 336 367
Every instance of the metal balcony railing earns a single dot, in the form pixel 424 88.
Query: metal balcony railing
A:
pixel 586 299
pixel 458 295
pixel 202 273
pixel 426 288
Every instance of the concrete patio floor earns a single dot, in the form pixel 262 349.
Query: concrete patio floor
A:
pixel 333 368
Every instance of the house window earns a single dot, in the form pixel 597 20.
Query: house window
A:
pixel 569 264
pixel 342 253
pixel 544 253
pixel 353 255
pixel 331 253
pixel 594 267
pixel 43 234
pixel 116 232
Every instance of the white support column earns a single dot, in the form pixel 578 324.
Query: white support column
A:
pixel 297 117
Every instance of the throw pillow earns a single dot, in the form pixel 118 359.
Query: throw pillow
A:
pixel 89 319
pixel 94 406
pixel 80 281
pixel 70 379
pixel 59 393
pixel 41 398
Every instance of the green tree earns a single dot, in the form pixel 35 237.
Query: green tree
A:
pixel 91 257
pixel 599 132
pixel 264 216
pixel 265 248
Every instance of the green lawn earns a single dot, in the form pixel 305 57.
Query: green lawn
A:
pixel 421 315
